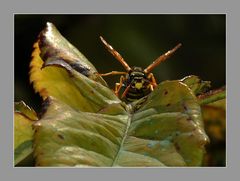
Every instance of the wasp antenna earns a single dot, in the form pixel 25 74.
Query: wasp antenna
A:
pixel 162 58
pixel 113 73
pixel 116 54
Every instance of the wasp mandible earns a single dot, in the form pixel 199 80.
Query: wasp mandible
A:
pixel 137 82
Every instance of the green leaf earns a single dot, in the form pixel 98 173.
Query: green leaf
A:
pixel 201 90
pixel 212 96
pixel 163 129
pixel 24 117
pixel 22 108
pixel 23 154
pixel 197 85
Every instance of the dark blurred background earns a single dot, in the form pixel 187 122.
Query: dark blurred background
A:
pixel 140 39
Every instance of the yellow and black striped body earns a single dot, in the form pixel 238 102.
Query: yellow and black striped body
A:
pixel 137 83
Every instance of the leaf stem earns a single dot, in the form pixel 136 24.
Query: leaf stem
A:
pixel 212 96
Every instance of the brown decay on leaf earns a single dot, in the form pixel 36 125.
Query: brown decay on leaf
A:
pixel 43 92
pixel 46 103
pixel 51 51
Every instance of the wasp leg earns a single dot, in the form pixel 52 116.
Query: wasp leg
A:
pixel 126 91
pixel 151 87
pixel 153 81
pixel 112 73
pixel 119 85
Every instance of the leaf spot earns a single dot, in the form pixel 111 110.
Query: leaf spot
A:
pixel 60 136
pixel 165 92
pixel 185 107
pixel 177 146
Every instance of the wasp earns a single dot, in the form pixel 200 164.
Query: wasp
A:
pixel 137 82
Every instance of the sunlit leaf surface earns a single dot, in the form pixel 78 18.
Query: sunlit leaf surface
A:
pixel 196 84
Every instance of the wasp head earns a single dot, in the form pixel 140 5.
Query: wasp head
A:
pixel 137 78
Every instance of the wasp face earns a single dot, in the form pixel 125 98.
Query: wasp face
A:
pixel 137 79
